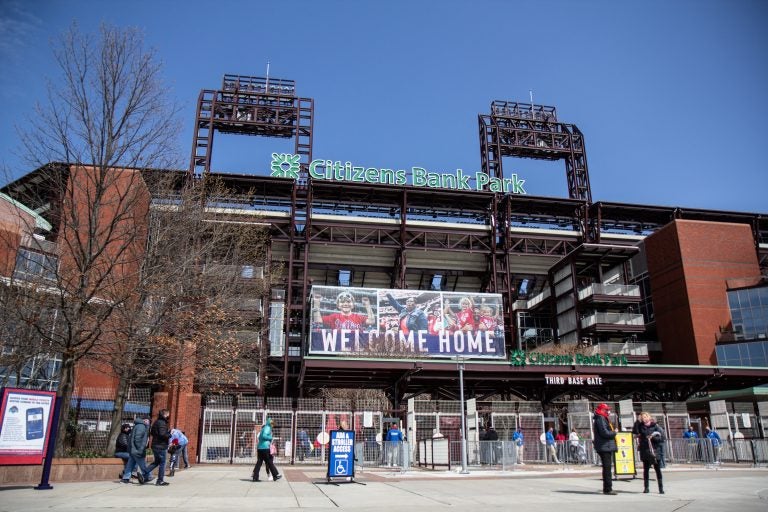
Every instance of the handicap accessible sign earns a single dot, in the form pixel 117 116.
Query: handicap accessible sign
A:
pixel 341 458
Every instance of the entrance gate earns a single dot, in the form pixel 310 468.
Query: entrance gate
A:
pixel 229 434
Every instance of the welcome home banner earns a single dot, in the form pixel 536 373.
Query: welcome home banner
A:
pixel 377 322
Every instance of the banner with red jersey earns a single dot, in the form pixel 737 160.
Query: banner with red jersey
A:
pixel 378 322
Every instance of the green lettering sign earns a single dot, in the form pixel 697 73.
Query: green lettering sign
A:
pixel 286 165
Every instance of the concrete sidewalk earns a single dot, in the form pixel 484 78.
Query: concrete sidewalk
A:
pixel 213 487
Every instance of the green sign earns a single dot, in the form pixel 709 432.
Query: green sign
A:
pixel 522 358
pixel 286 165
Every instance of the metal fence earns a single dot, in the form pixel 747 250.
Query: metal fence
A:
pixel 89 418
pixel 434 434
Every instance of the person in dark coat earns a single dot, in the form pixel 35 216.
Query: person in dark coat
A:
pixel 161 434
pixel 137 448
pixel 649 440
pixel 605 445
pixel 121 445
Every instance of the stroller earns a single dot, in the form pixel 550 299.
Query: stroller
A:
pixel 578 454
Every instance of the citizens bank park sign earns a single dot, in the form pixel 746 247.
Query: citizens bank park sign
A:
pixel 286 165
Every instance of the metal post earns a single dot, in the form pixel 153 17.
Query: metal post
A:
pixel 48 461
pixel 464 470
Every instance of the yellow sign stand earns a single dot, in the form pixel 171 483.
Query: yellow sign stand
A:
pixel 624 459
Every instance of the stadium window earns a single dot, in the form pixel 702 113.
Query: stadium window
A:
pixel 523 289
pixel 437 282
pixel 35 264
pixel 345 277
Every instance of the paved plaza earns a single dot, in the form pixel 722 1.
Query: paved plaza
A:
pixel 223 487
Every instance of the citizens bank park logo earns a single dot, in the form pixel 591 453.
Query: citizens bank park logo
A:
pixel 287 165
pixel 517 358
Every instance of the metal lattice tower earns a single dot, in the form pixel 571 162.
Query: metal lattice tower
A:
pixel 249 105
pixel 267 107
pixel 527 130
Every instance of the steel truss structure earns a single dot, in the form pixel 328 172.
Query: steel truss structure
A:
pixel 480 241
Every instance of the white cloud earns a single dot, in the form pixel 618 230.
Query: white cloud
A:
pixel 18 25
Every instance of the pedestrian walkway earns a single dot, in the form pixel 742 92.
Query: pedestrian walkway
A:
pixel 213 487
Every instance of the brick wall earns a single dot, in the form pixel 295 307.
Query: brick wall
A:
pixel 689 263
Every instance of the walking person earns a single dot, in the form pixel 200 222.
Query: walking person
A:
pixel 184 453
pixel 161 435
pixel 605 445
pixel 177 446
pixel 550 439
pixel 121 446
pixel 574 443
pixel 263 453
pixel 649 439
pixel 137 448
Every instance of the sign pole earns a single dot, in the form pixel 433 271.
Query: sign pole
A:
pixel 44 485
pixel 464 470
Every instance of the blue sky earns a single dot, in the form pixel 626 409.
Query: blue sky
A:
pixel 670 95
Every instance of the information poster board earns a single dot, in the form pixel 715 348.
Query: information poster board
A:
pixel 25 425
pixel 341 454
pixel 624 459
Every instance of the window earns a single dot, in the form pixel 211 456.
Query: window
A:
pixel 345 277
pixel 437 282
pixel 35 264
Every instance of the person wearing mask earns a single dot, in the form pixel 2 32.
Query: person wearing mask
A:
pixel 263 453
pixel 605 445
pixel 649 438
pixel 161 435
pixel 137 447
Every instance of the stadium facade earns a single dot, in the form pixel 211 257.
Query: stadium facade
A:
pixel 588 300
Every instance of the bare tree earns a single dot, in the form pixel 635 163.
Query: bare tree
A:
pixel 153 278
pixel 106 116
pixel 196 312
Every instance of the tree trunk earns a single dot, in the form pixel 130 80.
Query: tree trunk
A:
pixel 121 397
pixel 64 395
